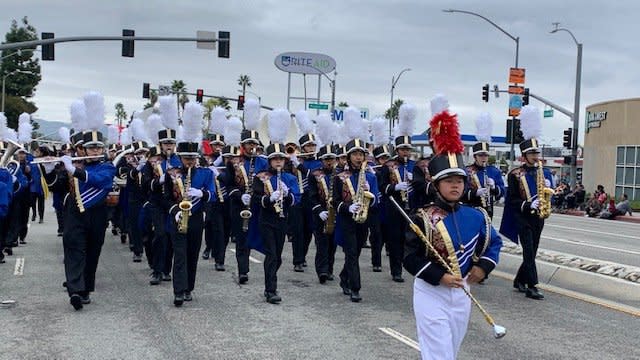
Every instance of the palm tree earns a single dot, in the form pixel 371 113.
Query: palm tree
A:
pixel 153 98
pixel 179 88
pixel 212 103
pixel 392 112
pixel 245 82
pixel 120 113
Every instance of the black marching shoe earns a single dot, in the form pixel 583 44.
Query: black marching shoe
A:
pixel 178 300
pixel 298 268
pixel 23 241
pixel 345 289
pixel 330 277
pixel 304 264
pixel 8 251
pixel 398 278
pixel 243 278
pixel 76 301
pixel 205 254
pixel 86 299
pixel 520 287
pixel 41 221
pixel 377 269
pixel 272 298
pixel 187 296
pixel 114 231
pixel 137 258
pixel 533 293
pixel 1 258
pixel 219 267
pixel 323 278
pixel 155 278
pixel 166 277
pixel 123 238
pixel 355 296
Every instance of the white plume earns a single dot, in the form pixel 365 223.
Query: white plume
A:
pixel 112 134
pixel 169 111
pixel 94 107
pixel 407 120
pixel 305 125
pixel 379 131
pixel 484 127
pixel 180 134
pixel 530 122
pixel 251 114
pixel 439 103
pixel 218 118
pixel 24 128
pixel 3 126
pixel 192 122
pixel 278 125
pixel 65 135
pixel 125 137
pixel 232 131
pixel 342 136
pixel 138 130
pixel 11 135
pixel 365 133
pixel 353 123
pixel 78 116
pixel 325 129
pixel 154 124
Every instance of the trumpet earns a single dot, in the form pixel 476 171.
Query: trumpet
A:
pixel 51 159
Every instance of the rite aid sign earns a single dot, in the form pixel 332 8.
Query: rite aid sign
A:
pixel 305 63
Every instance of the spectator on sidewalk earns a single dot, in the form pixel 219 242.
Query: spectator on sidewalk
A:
pixel 595 205
pixel 621 208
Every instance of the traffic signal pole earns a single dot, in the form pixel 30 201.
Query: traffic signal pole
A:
pixel 29 44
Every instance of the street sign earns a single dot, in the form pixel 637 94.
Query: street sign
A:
pixel 318 106
pixel 516 75
pixel 548 113
pixel 515 104
pixel 164 90
pixel 338 113
pixel 518 90
pixel 565 152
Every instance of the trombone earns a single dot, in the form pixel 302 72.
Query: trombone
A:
pixel 52 159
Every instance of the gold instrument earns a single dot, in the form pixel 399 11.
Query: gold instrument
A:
pixel 544 194
pixel 329 225
pixel 362 198
pixel 278 206
pixel 185 204
pixel 12 147
pixel 51 159
pixel 248 189
pixel 219 189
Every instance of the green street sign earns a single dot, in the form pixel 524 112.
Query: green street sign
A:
pixel 318 106
pixel 548 113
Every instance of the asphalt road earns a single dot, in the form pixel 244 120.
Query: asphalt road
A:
pixel 129 319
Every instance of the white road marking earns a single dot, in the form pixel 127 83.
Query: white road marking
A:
pixel 251 258
pixel 496 220
pixel 580 242
pixel 19 269
pixel 402 338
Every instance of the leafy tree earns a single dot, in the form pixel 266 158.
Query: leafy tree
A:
pixel 121 115
pixel 153 98
pixel 392 112
pixel 245 82
pixel 21 72
pixel 343 104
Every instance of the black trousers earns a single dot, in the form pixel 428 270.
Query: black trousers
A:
pixel 18 219
pixel 135 234
pixel 395 238
pixel 37 201
pixel 161 244
pixel 375 236
pixel 295 231
pixel 354 237
pixel 60 219
pixel 325 250
pixel 242 248
pixel 272 234
pixel 214 231
pixel 82 242
pixel 529 235
pixel 186 250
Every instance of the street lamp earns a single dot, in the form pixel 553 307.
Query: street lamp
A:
pixel 254 94
pixel 514 38
pixel 576 105
pixel 5 76
pixel 332 83
pixel 394 81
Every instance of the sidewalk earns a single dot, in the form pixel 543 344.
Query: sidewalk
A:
pixel 626 218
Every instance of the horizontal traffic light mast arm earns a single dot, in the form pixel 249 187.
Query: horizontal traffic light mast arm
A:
pixel 545 101
pixel 29 44
pixel 217 97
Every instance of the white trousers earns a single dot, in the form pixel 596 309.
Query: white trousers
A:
pixel 442 317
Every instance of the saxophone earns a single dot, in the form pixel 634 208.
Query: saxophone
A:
pixel 363 198
pixel 248 189
pixel 185 205
pixel 329 225
pixel 544 194
pixel 278 205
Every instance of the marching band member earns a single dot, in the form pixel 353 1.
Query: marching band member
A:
pixel 19 198
pixel 57 178
pixel 275 191
pixel 462 235
pixel 528 203
pixel 186 189
pixel 353 194
pixel 396 178
pixel 38 186
pixel 378 221
pixel 85 211
pixel 485 185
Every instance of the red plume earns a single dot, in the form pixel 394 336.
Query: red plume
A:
pixel 445 133
pixel 206 148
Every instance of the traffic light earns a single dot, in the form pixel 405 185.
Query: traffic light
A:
pixel 567 139
pixel 199 95
pixel 224 39
pixel 241 102
pixel 127 45
pixel 525 97
pixel 145 90
pixel 48 51
pixel 568 160
pixel 485 93
pixel 517 133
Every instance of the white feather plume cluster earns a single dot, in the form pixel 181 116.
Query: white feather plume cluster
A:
pixel 251 114
pixel 218 118
pixel 180 134
pixel 24 128
pixel 11 135
pixel 439 103
pixel 278 125
pixel 365 131
pixel 353 123
pixel 125 137
pixel 407 120
pixel 112 134
pixel 154 125
pixel 305 125
pixel 342 136
pixel 138 130
pixel 484 127
pixel 169 111
pixel 192 122
pixel 379 131
pixel 3 126
pixel 94 107
pixel 64 134
pixel 233 131
pixel 325 129
pixel 78 114
pixel 530 122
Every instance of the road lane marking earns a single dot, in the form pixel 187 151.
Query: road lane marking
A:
pixel 585 230
pixel 251 258
pixel 19 269
pixel 400 337
pixel 580 242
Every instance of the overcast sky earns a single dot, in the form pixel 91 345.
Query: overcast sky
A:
pixel 371 40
